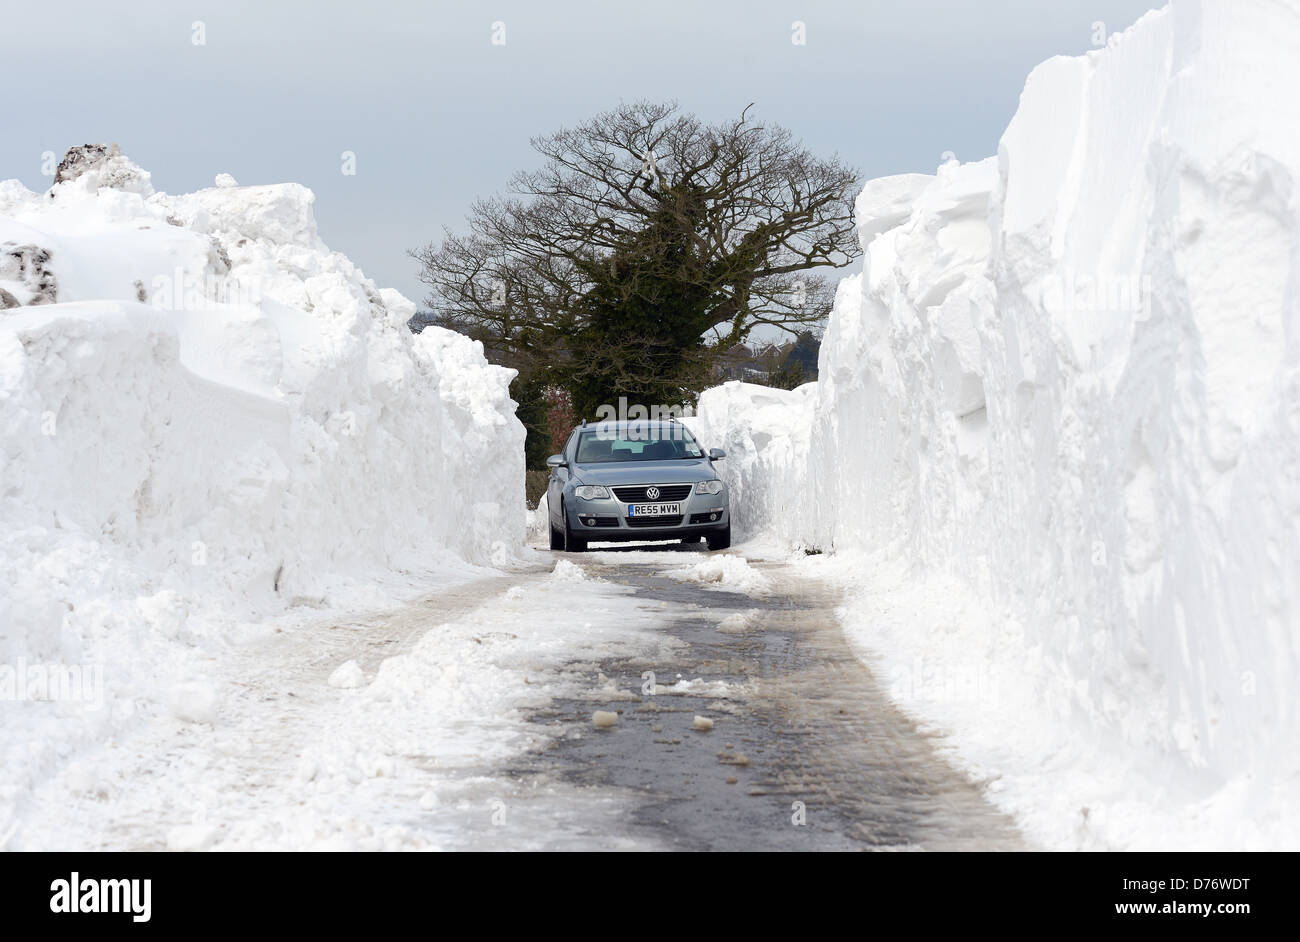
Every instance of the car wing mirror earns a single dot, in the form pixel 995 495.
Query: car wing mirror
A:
pixel 716 454
pixel 556 461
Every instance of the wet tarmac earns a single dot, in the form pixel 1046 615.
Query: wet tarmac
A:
pixel 806 751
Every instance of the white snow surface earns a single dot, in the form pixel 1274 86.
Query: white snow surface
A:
pixel 728 572
pixel 1055 439
pixel 407 754
pixel 260 436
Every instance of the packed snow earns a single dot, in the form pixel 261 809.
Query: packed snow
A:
pixel 1054 441
pixel 404 756
pixel 731 573
pixel 211 421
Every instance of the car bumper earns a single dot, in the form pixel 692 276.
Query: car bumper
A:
pixel 606 520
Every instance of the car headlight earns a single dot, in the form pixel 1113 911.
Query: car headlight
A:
pixel 591 491
pixel 709 487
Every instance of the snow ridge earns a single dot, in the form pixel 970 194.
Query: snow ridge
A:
pixel 209 418
pixel 1057 425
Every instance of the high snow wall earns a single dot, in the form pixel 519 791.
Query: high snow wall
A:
pixel 1069 377
pixel 200 403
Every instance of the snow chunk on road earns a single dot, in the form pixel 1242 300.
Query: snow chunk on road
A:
pixel 192 837
pixel 194 701
pixel 348 676
pixel 699 687
pixel 566 571
pixel 736 623
pixel 729 572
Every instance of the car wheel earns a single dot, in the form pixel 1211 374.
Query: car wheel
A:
pixel 691 539
pixel 722 540
pixel 572 544
pixel 557 538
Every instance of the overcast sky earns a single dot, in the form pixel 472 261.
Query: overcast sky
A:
pixel 437 115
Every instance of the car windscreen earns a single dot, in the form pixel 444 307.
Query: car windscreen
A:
pixel 596 446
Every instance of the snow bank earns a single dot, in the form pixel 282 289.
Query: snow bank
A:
pixel 208 417
pixel 396 730
pixel 764 432
pixel 1067 384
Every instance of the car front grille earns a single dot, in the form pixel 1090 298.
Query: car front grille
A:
pixel 654 521
pixel 636 495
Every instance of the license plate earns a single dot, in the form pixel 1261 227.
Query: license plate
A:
pixel 654 510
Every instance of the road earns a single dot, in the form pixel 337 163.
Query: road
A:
pixel 806 751
pixel 471 727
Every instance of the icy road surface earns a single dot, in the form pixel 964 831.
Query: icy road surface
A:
pixel 465 721
pixel 801 731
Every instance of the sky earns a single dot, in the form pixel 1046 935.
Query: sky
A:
pixel 436 114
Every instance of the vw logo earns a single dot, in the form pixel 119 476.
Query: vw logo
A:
pixel 652 493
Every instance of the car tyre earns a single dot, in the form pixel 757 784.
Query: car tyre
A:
pixel 722 540
pixel 557 537
pixel 691 539
pixel 572 544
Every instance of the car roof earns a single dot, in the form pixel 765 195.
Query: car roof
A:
pixel 614 425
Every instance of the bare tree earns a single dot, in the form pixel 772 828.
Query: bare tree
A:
pixel 645 244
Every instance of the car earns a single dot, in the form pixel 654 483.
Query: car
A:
pixel 619 481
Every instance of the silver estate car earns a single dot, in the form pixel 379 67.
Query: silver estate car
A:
pixel 646 480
